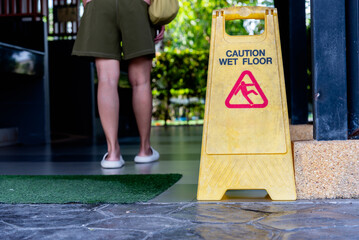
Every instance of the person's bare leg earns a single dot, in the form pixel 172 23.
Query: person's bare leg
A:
pixel 108 72
pixel 139 70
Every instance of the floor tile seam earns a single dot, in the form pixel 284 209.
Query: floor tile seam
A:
pixel 201 202
pixel 69 210
pixel 133 216
pixel 160 203
pixel 261 226
pixel 256 224
pixel 100 208
pixel 84 211
pixel 147 236
pixel 350 226
pixel 148 232
pixel 105 214
pixel 9 224
pixel 254 221
pixel 31 235
pixel 222 223
pixel 185 205
pixel 164 216
pixel 19 228
pixel 165 230
pixel 305 228
pixel 277 236
pixel 254 210
pixel 117 229
pixel 98 221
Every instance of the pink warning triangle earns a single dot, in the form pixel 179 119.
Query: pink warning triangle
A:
pixel 242 87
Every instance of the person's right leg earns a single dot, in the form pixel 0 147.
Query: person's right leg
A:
pixel 108 72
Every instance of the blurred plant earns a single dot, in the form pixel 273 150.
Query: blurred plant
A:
pixel 178 74
pixel 191 29
pixel 180 71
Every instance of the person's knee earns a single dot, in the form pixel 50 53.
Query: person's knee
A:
pixel 139 71
pixel 108 71
pixel 110 80
pixel 140 81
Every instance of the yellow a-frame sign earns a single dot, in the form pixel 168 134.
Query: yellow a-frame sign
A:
pixel 246 142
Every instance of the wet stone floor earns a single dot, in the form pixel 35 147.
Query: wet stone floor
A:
pixel 330 219
pixel 174 214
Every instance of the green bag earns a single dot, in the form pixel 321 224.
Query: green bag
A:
pixel 162 12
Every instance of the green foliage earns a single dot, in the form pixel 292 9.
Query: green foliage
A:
pixel 191 29
pixel 181 70
pixel 178 74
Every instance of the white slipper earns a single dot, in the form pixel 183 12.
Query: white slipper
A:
pixel 147 159
pixel 112 164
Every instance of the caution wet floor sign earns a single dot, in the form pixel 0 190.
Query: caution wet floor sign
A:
pixel 246 142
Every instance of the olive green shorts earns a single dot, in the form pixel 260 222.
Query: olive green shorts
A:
pixel 115 29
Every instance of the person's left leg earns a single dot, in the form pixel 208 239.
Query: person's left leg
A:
pixel 139 71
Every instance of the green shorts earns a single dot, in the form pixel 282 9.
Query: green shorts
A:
pixel 115 29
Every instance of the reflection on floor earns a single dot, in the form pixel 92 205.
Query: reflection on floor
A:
pixel 179 147
pixel 180 218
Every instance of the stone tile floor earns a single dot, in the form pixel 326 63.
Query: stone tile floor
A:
pixel 175 214
pixel 336 219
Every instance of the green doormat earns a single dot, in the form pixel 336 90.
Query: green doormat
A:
pixel 83 188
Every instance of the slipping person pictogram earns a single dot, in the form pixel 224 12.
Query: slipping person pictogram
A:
pixel 242 86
